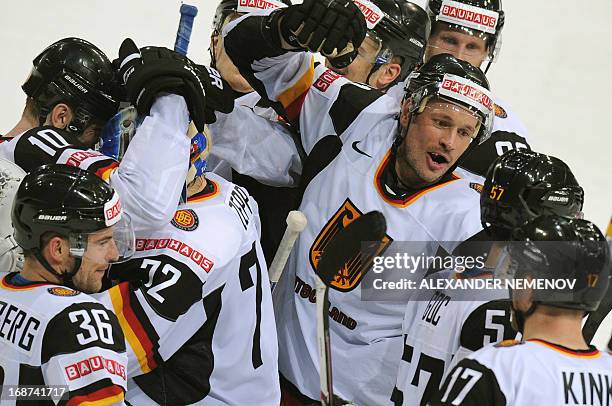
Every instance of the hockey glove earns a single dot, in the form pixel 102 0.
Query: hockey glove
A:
pixel 219 95
pixel 152 70
pixel 335 28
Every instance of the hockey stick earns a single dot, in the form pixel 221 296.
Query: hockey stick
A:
pixel 183 34
pixel 321 155
pixel 363 235
pixel 596 318
pixel 296 222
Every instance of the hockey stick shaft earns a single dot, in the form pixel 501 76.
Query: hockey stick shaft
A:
pixel 296 222
pixel 324 344
pixel 183 34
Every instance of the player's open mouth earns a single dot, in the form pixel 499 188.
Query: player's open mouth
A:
pixel 438 158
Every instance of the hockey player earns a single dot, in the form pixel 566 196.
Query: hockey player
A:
pixel 200 326
pixel 444 326
pixel 402 169
pixel 471 31
pixel 231 156
pixel 74 86
pixel 552 364
pixel 595 319
pixel 397 31
pixel 71 227
pixel 393 46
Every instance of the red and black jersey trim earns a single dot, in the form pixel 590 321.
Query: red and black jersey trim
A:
pixel 102 392
pixel 210 190
pixel 7 284
pixel 136 326
pixel 406 200
pixel 591 352
pixel 185 377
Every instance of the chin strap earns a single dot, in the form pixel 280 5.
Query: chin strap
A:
pixel 65 277
pixel 520 317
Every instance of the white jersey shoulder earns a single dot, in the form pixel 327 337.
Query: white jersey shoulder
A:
pixel 507 120
pixel 54 335
pixel 505 373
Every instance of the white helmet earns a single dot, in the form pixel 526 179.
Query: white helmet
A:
pixel 11 256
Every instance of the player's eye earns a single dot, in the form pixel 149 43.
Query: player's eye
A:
pixel 441 122
pixel 449 40
pixel 465 132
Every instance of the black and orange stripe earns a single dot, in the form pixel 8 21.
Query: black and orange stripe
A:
pixel 109 395
pixel 211 190
pixel 406 201
pixel 292 99
pixel 590 353
pixel 6 284
pixel 138 331
pixel 105 169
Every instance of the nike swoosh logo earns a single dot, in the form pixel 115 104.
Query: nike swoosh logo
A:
pixel 354 145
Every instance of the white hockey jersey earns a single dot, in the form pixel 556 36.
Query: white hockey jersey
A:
pixel 250 139
pixel 151 175
pixel 442 328
pixel 528 373
pixel 200 327
pixel 54 335
pixel 365 335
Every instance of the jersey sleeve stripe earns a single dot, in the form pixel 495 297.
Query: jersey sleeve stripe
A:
pixel 105 396
pixel 106 171
pixel 132 328
pixel 293 98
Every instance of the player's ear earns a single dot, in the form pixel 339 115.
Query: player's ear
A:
pixel 60 116
pixel 405 112
pixel 387 74
pixel 56 250
pixel 522 299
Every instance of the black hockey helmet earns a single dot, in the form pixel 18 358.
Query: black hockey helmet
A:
pixel 225 8
pixel 481 18
pixel 451 79
pixel 522 185
pixel 229 8
pixel 401 29
pixel 558 248
pixel 72 203
pixel 75 72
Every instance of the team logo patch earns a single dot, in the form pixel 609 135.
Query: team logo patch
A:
pixel 500 112
pixel 355 268
pixel 476 186
pixel 57 291
pixel 186 220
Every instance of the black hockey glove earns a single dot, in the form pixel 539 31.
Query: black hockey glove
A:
pixel 335 28
pixel 152 70
pixel 219 95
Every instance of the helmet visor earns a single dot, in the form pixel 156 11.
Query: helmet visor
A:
pixel 464 43
pixel 110 245
pixel 448 115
